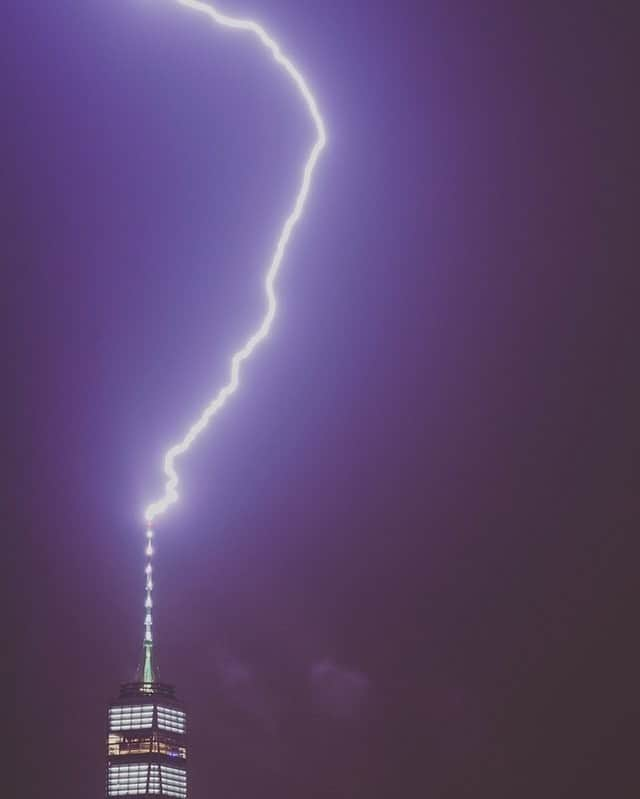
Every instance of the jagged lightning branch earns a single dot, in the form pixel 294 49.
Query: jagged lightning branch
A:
pixel 170 494
pixel 170 491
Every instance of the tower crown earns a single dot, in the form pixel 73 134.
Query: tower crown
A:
pixel 146 746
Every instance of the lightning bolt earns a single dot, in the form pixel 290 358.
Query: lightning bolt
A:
pixel 170 494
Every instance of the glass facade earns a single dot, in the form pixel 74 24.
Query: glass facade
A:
pixel 134 717
pixel 170 719
pixel 146 743
pixel 143 779
pixel 140 745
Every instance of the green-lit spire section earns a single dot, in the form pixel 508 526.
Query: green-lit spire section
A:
pixel 148 668
pixel 148 606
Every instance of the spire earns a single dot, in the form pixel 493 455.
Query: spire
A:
pixel 148 606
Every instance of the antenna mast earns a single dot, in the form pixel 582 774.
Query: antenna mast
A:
pixel 148 676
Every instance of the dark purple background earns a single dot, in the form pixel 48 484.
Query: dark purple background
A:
pixel 399 566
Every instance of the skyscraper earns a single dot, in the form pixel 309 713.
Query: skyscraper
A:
pixel 146 746
pixel 146 743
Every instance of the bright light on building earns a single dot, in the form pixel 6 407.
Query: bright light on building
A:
pixel 146 743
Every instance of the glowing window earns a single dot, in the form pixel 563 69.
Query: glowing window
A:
pixel 172 720
pixel 128 780
pixel 171 749
pixel 113 746
pixel 174 781
pixel 131 717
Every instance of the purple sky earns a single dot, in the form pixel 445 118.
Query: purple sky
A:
pixel 399 564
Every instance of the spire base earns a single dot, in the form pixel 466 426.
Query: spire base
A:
pixel 147 675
